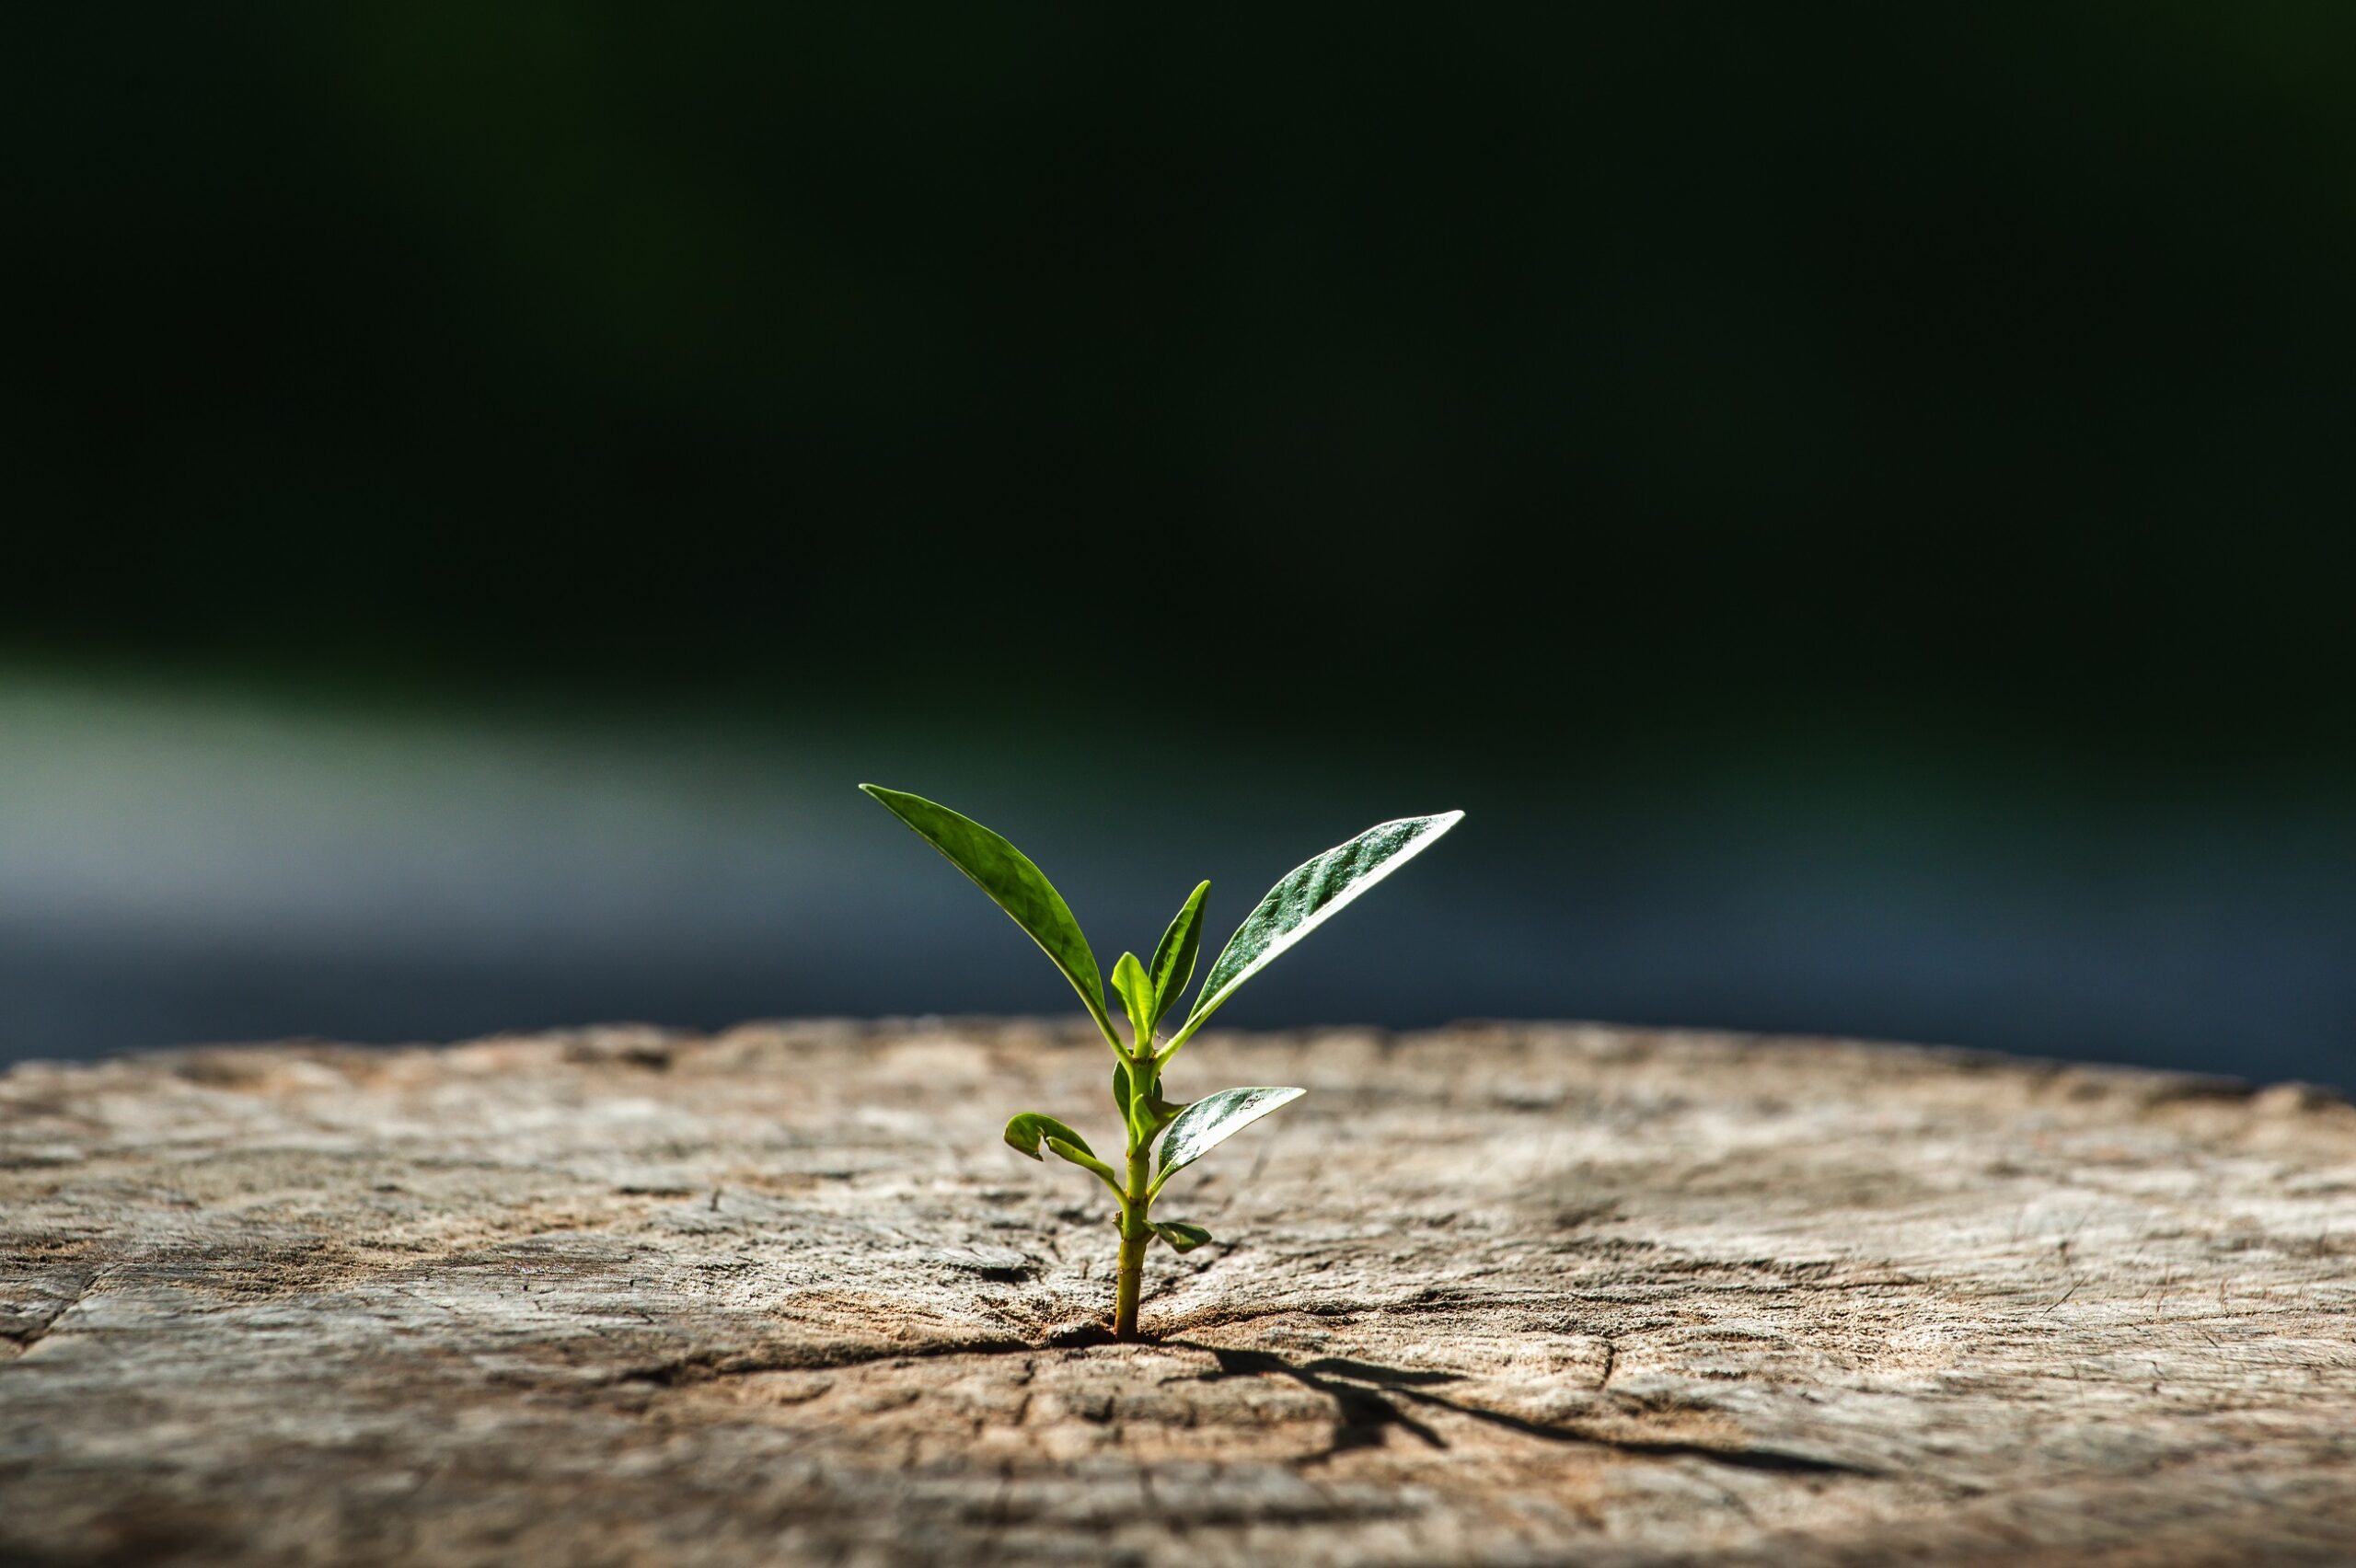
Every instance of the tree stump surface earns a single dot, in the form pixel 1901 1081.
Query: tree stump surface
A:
pixel 1498 1293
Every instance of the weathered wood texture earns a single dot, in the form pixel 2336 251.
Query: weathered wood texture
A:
pixel 1500 1295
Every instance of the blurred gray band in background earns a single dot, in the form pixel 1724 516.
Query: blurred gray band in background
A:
pixel 180 865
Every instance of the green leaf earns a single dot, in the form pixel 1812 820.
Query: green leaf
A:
pixel 1214 1119
pixel 1026 1133
pixel 1183 1235
pixel 1130 982
pixel 1147 1120
pixel 1123 1097
pixel 1014 884
pixel 1307 897
pixel 1174 958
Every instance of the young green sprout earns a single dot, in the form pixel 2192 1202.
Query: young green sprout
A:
pixel 1305 899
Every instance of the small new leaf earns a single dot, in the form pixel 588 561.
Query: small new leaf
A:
pixel 1174 956
pixel 1014 884
pixel 1087 1162
pixel 1308 895
pixel 1146 1121
pixel 1183 1235
pixel 1136 991
pixel 1214 1119
pixel 1027 1132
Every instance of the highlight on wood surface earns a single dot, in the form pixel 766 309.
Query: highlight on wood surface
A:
pixel 1302 900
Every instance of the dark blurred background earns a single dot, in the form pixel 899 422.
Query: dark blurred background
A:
pixel 1854 501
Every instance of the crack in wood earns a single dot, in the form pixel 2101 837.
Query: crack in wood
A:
pixel 27 1337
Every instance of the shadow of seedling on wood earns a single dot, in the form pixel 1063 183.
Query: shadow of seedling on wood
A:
pixel 1306 898
pixel 1366 1395
pixel 1362 1415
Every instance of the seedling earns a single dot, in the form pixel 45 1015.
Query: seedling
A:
pixel 1305 899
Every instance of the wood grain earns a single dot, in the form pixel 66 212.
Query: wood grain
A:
pixel 1503 1294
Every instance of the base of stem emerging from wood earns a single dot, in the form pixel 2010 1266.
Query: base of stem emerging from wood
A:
pixel 1131 1278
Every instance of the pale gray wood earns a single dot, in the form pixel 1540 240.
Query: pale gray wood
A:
pixel 1501 1294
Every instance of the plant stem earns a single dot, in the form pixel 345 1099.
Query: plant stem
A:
pixel 1136 1235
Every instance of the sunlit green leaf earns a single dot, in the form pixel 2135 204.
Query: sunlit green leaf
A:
pixel 1016 885
pixel 1306 898
pixel 1173 957
pixel 1212 1120
pixel 1136 991
pixel 1183 1235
